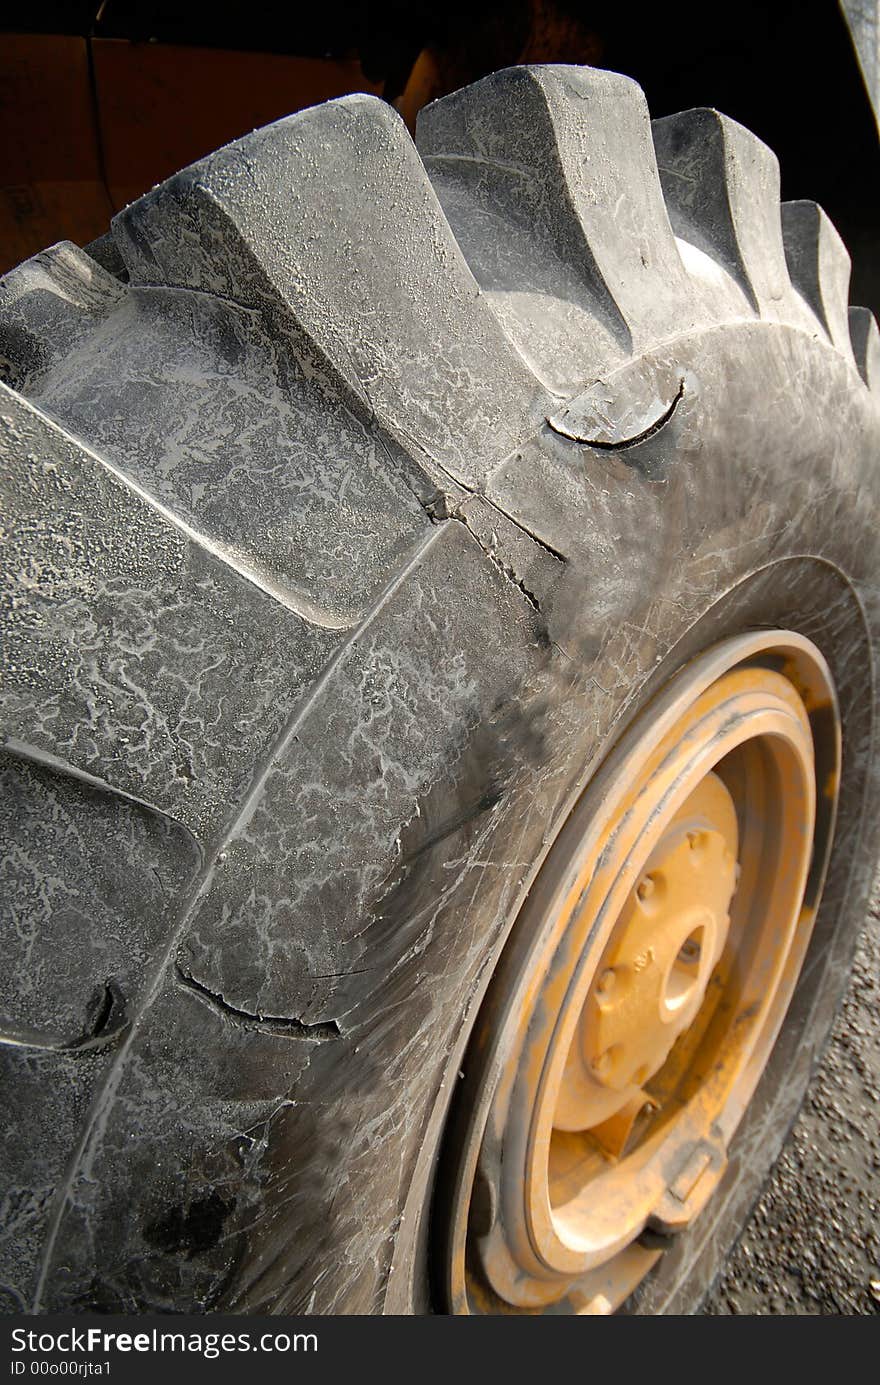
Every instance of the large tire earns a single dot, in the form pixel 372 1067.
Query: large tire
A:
pixel 331 574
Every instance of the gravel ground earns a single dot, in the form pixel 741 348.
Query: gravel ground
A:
pixel 813 1243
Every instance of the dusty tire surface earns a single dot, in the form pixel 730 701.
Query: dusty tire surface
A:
pixel 355 508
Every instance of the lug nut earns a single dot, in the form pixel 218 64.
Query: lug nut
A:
pixel 645 887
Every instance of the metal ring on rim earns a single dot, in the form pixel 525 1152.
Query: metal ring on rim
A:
pixel 639 995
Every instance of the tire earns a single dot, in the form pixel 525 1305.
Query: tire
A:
pixel 348 527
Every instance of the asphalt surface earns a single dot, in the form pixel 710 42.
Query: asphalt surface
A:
pixel 813 1244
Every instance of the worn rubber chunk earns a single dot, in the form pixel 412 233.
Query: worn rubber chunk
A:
pixel 624 408
pixel 865 345
pixel 721 185
pixel 537 154
pixel 47 305
pixel 106 672
pixel 819 265
pixel 327 222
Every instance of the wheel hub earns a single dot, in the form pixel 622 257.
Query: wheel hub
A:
pixel 654 972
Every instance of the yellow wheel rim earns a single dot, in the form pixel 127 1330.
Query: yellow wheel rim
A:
pixel 638 998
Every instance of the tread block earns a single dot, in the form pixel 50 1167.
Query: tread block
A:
pixel 105 252
pixel 84 883
pixel 47 305
pixel 285 917
pixel 566 153
pixel 327 222
pixel 46 1097
pixel 196 401
pixel 133 653
pixel 391 758
pixel 561 325
pixel 721 185
pixel 865 345
pixel 819 265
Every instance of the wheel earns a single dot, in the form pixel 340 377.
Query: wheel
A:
pixel 636 1004
pixel 437 591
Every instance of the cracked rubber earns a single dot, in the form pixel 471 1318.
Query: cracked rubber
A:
pixel 355 498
